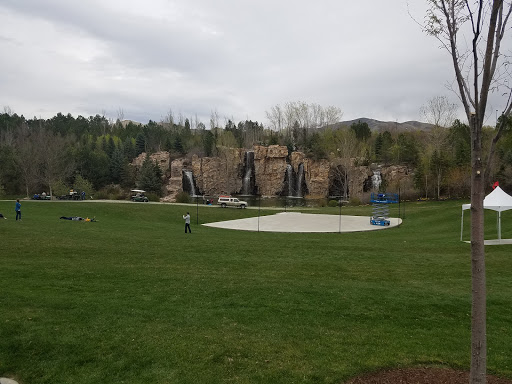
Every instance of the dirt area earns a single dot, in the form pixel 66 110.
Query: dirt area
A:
pixel 427 375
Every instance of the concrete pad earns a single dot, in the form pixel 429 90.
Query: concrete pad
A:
pixel 304 222
pixel 4 380
pixel 495 242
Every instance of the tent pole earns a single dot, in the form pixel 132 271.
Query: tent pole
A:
pixel 499 226
pixel 461 224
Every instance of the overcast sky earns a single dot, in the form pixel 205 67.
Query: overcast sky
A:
pixel 236 57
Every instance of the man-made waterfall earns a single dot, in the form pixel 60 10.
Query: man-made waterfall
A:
pixel 300 181
pixel 289 180
pixel 376 180
pixel 188 180
pixel 248 180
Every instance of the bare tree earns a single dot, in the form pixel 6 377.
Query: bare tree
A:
pixel 302 116
pixel 55 162
pixel 8 110
pixel 26 157
pixel 479 69
pixel 276 118
pixel 439 111
pixel 120 114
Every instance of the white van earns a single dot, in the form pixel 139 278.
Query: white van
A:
pixel 229 201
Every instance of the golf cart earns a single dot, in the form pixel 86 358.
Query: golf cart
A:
pixel 139 195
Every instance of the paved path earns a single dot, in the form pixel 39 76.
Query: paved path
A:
pixel 303 222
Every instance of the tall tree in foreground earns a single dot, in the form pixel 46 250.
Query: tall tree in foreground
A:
pixel 479 69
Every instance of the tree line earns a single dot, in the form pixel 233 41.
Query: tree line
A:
pixel 94 153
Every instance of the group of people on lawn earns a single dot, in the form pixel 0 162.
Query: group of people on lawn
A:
pixel 17 209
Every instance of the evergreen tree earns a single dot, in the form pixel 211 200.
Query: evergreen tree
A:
pixel 207 140
pixel 110 147
pixel 116 166
pixel 362 130
pixel 150 176
pixel 140 144
pixel 129 149
pixel 178 145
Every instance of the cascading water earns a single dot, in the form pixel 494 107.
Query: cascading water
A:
pixel 247 181
pixel 376 180
pixel 190 181
pixel 289 179
pixel 300 180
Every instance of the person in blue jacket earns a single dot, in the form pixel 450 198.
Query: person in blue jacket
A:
pixel 18 209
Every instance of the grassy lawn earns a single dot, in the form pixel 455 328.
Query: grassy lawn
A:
pixel 132 299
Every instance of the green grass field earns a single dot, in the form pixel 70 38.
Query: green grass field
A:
pixel 132 299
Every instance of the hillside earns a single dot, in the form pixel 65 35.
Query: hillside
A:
pixel 376 125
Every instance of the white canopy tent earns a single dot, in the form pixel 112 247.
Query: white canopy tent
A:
pixel 499 201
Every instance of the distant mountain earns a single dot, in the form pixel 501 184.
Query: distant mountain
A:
pixel 376 125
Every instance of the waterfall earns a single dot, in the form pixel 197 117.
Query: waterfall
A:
pixel 300 180
pixel 376 180
pixel 190 180
pixel 289 179
pixel 247 181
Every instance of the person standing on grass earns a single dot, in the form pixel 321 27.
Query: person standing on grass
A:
pixel 187 222
pixel 18 209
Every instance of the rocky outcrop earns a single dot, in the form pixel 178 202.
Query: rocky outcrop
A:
pixel 219 175
pixel 161 158
pixel 357 176
pixel 270 168
pixel 223 174
pixel 174 183
pixel 317 177
pixel 395 176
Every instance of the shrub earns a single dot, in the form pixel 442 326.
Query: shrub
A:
pixel 152 196
pixel 82 184
pixel 354 201
pixel 332 203
pixel 111 192
pixel 59 188
pixel 183 197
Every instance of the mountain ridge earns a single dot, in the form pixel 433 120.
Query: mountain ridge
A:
pixel 377 125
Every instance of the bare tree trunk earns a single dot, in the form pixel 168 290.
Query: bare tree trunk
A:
pixel 478 281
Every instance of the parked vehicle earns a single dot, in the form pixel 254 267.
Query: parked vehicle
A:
pixel 229 201
pixel 42 196
pixel 72 195
pixel 139 196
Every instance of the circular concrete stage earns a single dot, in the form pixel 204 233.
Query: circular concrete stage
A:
pixel 304 222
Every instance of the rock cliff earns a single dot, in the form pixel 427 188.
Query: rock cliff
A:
pixel 219 175
pixel 224 174
pixel 270 168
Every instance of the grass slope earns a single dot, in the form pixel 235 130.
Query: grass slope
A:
pixel 133 299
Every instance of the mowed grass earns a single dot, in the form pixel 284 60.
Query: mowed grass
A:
pixel 132 299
